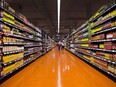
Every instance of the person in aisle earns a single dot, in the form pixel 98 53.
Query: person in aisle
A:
pixel 62 45
pixel 59 45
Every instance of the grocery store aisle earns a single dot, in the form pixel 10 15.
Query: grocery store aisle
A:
pixel 59 69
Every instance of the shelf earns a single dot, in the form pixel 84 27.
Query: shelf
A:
pixel 31 60
pixel 95 65
pixel 109 61
pixel 78 30
pixel 16 36
pixel 19 67
pixel 9 24
pixel 39 36
pixel 31 53
pixel 97 49
pixel 82 37
pixel 71 47
pixel 32 39
pixel 7 53
pixel 103 40
pixel 80 43
pixel 104 21
pixel 11 72
pixel 83 31
pixel 104 12
pixel 8 63
pixel 19 44
pixel 17 17
pixel 31 46
pixel 85 25
pixel 10 35
pixel 14 26
pixel 99 67
pixel 37 31
pixel 104 30
pixel 83 42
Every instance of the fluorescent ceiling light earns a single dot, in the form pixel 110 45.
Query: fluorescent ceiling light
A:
pixel 58 10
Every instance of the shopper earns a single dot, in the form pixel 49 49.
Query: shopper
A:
pixel 62 45
pixel 59 45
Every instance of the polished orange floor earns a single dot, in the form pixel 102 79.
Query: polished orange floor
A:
pixel 58 69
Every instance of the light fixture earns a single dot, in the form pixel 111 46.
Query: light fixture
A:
pixel 58 11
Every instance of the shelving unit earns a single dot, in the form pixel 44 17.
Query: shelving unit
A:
pixel 47 43
pixel 95 41
pixel 20 41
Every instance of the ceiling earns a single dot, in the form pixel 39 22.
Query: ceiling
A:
pixel 43 13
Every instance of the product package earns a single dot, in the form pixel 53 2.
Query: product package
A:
pixel 111 35
pixel 109 46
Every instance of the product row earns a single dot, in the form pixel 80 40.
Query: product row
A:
pixel 11 13
pixel 15 32
pixel 103 18
pixel 109 24
pixel 100 63
pixel 104 45
pixel 9 68
pixel 105 55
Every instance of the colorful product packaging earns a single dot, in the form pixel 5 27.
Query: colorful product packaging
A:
pixel 108 56
pixel 107 25
pixel 111 35
pixel 108 45
pixel 114 57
